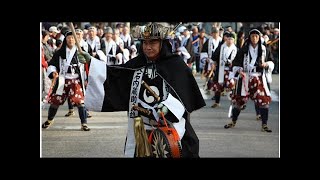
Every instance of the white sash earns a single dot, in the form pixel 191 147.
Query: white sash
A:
pixel 60 85
pixel 102 56
pixel 84 44
pixel 224 55
pixel 221 65
pixel 110 45
pixel 94 44
pixel 133 100
pixel 253 52
pixel 91 44
pixel 126 55
pixel 64 65
pixel 69 58
pixel 186 55
pixel 265 84
pixel 264 79
pixel 248 67
pixel 126 38
pixel 245 85
pixel 83 77
pixel 212 46
pixel 269 71
pixel 134 51
pixel 119 42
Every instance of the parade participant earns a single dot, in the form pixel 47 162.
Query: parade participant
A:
pixel 250 66
pixel 93 41
pixel 208 50
pixel 223 57
pixel 269 57
pixel 202 40
pixel 174 92
pixel 128 41
pixel 83 44
pixel 211 47
pixel 187 43
pixel 65 69
pixel 84 69
pixel 109 47
pixel 122 55
pixel 195 42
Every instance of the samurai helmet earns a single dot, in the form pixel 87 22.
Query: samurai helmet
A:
pixel 154 31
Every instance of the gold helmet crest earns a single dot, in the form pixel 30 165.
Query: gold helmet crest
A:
pixel 154 31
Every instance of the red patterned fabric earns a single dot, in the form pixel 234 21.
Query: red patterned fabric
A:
pixel 72 89
pixel 257 92
pixel 239 100
pixel 217 87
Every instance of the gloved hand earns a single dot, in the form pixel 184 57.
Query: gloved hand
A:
pixel 162 108
pixel 85 56
pixel 81 58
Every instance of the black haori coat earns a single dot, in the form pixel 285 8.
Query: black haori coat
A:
pixel 176 73
pixel 55 61
pixel 241 53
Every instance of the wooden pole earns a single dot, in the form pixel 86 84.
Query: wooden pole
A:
pixel 75 37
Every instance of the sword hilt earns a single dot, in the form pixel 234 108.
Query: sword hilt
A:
pixel 151 91
pixel 142 110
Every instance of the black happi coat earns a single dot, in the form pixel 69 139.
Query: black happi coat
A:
pixel 244 51
pixel 216 57
pixel 55 61
pixel 175 72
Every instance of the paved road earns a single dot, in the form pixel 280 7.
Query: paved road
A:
pixel 108 132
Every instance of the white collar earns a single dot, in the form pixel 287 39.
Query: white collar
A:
pixel 253 52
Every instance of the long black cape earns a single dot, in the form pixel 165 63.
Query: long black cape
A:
pixel 177 74
pixel 172 68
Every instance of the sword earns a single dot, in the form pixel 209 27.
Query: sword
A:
pixel 142 110
pixel 231 104
pixel 157 98
pixel 174 29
